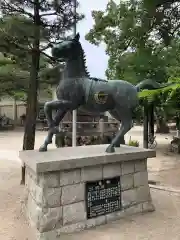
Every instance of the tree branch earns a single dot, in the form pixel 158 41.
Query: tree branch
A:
pixel 48 14
pixel 48 56
pixel 176 28
pixel 13 41
pixel 12 8
pixel 49 45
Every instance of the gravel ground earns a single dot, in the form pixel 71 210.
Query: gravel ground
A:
pixel 161 224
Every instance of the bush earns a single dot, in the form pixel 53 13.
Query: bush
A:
pixel 133 143
pixel 61 140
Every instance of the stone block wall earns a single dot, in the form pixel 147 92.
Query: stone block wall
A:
pixel 55 201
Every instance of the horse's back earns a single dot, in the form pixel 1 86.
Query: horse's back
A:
pixel 124 93
pixel 124 85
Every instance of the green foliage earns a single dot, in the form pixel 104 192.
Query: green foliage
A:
pixel 29 28
pixel 133 143
pixel 165 100
pixel 142 42
pixel 17 35
pixel 51 75
pixel 15 80
pixel 55 18
pixel 136 66
pixel 138 36
pixel 16 38
pixel 12 78
pixel 136 20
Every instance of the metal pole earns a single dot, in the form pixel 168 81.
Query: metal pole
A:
pixel 74 127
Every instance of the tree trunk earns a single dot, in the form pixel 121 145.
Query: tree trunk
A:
pixel 162 126
pixel 151 120
pixel 31 111
pixel 178 126
pixel 145 132
pixel 15 111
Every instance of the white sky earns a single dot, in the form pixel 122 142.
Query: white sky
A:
pixel 96 57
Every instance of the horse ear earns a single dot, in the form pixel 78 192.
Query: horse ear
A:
pixel 77 37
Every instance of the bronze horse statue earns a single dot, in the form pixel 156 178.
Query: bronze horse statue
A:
pixel 78 89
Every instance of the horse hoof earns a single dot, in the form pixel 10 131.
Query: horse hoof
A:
pixel 43 149
pixel 110 149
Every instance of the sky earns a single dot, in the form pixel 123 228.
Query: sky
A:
pixel 96 57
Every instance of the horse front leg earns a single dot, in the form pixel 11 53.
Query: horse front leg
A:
pixel 52 130
pixel 62 106
pixel 126 125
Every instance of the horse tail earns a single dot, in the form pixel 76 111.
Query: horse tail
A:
pixel 151 85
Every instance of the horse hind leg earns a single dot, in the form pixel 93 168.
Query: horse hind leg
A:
pixel 126 125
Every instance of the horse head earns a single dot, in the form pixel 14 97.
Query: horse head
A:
pixel 66 49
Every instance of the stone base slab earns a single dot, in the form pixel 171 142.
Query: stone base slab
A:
pixel 82 156
pixel 56 201
pixel 90 223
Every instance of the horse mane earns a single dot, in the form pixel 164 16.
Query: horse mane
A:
pixel 83 55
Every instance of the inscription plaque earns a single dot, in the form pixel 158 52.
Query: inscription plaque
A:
pixel 103 197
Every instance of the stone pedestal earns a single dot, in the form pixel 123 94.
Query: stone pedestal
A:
pixel 56 186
